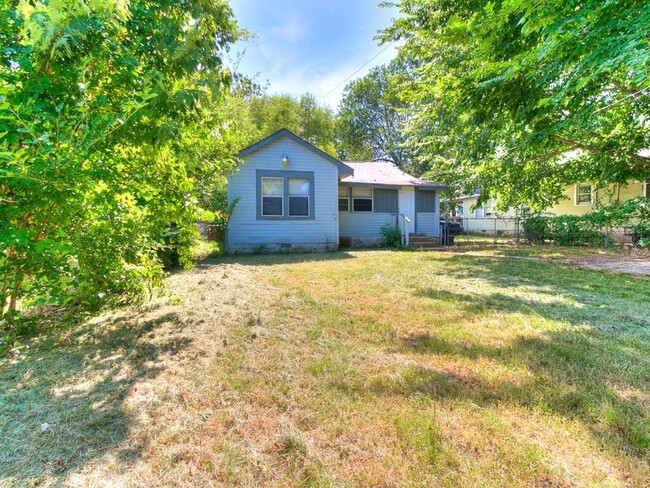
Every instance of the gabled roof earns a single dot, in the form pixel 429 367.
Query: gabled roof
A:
pixel 384 173
pixel 343 169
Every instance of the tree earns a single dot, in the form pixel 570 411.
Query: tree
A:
pixel 371 117
pixel 107 124
pixel 521 98
pixel 303 116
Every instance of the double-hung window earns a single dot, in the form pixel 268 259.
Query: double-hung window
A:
pixel 584 194
pixel 285 195
pixel 272 197
pixel 299 197
pixel 344 199
pixel 361 199
pixel 487 209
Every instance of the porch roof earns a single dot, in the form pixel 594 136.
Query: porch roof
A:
pixel 384 173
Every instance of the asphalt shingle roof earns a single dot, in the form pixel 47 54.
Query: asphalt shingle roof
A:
pixel 384 173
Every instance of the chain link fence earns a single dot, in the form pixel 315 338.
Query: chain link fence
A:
pixel 490 230
pixel 511 230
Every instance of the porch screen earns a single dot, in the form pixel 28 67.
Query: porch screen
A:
pixel 385 201
pixel 425 201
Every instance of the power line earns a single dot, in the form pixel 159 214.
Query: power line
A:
pixel 356 71
pixel 622 99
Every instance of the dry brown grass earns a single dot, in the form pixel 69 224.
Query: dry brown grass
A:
pixel 361 369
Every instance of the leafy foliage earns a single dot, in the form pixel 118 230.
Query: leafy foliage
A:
pixel 109 121
pixel 589 229
pixel 520 98
pixel 371 117
pixel 564 230
pixel 392 235
pixel 261 115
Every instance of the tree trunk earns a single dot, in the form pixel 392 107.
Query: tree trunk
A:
pixel 13 298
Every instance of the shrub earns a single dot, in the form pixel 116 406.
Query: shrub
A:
pixel 536 228
pixel 588 229
pixel 392 235
pixel 565 230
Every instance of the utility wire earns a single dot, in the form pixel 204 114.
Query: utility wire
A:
pixel 622 99
pixel 320 99
pixel 356 71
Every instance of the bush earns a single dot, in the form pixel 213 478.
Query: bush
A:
pixel 392 235
pixel 565 230
pixel 589 229
pixel 536 229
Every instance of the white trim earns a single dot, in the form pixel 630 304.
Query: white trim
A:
pixel 645 189
pixel 346 198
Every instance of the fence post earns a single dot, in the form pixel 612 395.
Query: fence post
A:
pixel 606 237
pixel 517 228
pixel 495 230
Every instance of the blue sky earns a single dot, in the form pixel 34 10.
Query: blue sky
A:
pixel 310 45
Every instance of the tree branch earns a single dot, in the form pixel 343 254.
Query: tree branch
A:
pixel 641 162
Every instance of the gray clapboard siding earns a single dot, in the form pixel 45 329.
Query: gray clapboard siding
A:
pixel 246 231
pixel 364 226
pixel 428 223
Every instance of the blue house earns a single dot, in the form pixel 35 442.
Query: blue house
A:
pixel 293 196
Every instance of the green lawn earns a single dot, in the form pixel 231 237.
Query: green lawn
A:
pixel 368 368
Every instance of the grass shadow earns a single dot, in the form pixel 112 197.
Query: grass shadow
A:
pixel 593 366
pixel 63 405
pixel 556 291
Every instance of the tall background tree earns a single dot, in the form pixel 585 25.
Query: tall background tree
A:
pixel 304 116
pixel 522 97
pixel 109 118
pixel 371 117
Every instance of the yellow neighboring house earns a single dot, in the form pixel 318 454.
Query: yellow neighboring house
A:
pixel 578 199
pixel 581 198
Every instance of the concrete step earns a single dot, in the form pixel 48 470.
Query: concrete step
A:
pixel 414 238
pixel 425 245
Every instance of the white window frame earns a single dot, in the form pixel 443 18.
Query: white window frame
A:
pixel 487 209
pixel 346 198
pixel 372 201
pixel 577 194
pixel 273 196
pixel 289 195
